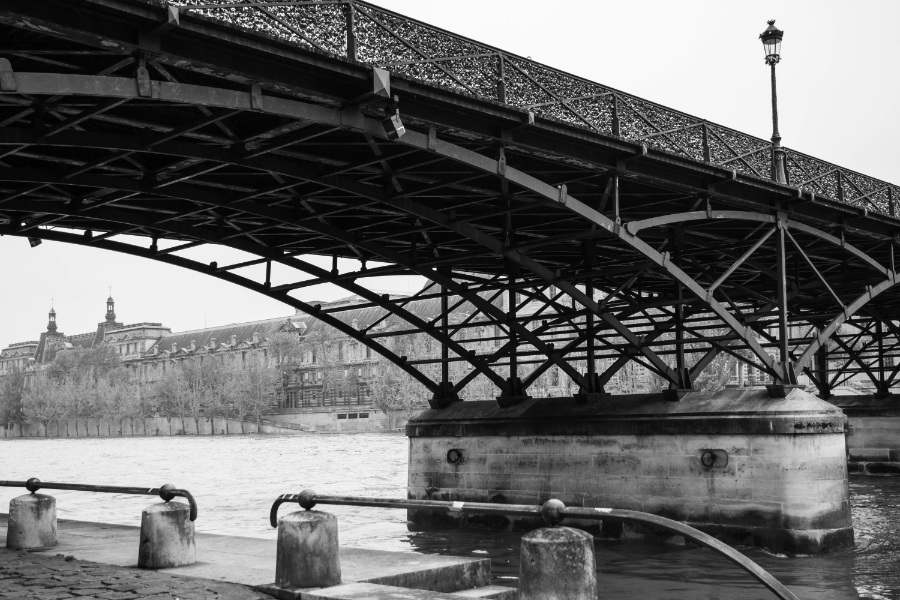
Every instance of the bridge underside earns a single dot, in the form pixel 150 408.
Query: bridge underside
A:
pixel 123 129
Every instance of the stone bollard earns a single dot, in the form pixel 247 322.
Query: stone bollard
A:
pixel 557 564
pixel 308 552
pixel 167 536
pixel 32 522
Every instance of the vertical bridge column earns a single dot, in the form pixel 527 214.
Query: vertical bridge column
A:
pixel 515 390
pixel 785 378
pixel 445 393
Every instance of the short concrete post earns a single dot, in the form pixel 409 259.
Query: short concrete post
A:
pixel 32 522
pixel 308 552
pixel 167 536
pixel 557 564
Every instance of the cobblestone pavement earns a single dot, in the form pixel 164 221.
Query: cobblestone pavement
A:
pixel 46 577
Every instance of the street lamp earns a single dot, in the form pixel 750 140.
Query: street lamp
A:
pixel 771 39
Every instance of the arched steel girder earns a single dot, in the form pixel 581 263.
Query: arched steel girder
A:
pixel 891 277
pixel 351 119
pixel 284 216
pixel 662 259
pixel 206 269
pixel 211 237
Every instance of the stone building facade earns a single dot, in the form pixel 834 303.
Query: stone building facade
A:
pixel 333 370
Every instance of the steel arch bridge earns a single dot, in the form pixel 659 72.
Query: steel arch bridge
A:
pixel 641 233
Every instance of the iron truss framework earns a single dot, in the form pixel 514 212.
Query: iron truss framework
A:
pixel 585 227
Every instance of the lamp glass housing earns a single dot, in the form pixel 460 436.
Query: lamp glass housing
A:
pixel 771 39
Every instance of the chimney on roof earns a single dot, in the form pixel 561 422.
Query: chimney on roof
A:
pixel 212 344
pixel 233 340
pixel 255 337
pixel 193 345
pixel 174 348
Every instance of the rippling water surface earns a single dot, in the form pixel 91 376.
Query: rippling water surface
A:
pixel 236 478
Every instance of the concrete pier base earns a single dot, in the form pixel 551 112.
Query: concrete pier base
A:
pixel 557 564
pixel 308 551
pixel 873 433
pixel 167 536
pixel 739 465
pixel 32 522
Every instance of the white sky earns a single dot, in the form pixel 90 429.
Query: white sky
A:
pixel 838 100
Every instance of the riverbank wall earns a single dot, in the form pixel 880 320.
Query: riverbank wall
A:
pixel 345 419
pixel 146 426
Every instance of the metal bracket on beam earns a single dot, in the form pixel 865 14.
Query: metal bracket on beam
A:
pixel 444 396
pixel 621 162
pixel 506 134
pixel 144 84
pixel 379 92
pixel 593 390
pixel 256 97
pixel 381 83
pixel 514 393
pixel 7 76
pixel 801 196
pixel 711 187
pixel 784 383
pixel 149 40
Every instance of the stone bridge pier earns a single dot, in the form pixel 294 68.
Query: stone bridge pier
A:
pixel 735 464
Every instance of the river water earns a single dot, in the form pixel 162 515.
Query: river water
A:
pixel 236 478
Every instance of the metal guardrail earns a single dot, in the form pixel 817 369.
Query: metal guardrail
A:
pixel 166 492
pixel 364 33
pixel 553 512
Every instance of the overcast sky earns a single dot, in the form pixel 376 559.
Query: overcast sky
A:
pixel 838 100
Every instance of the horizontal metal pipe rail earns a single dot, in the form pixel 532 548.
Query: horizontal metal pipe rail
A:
pixel 553 512
pixel 166 492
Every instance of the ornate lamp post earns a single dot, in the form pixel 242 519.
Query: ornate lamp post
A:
pixel 771 39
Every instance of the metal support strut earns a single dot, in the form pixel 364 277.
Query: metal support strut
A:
pixel 445 394
pixel 785 377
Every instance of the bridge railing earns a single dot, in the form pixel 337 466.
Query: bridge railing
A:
pixel 553 512
pixel 361 32
pixel 166 492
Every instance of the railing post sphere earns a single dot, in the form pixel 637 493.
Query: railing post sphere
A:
pixel 306 499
